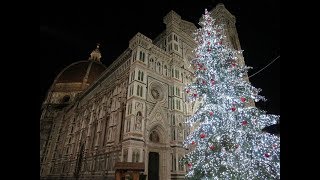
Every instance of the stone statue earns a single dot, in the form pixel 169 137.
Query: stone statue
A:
pixel 138 121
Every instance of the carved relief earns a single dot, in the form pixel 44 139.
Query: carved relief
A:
pixel 149 108
pixel 138 123
pixel 154 137
pixel 138 106
pixel 158 116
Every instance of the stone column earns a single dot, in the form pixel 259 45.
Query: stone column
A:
pixel 129 154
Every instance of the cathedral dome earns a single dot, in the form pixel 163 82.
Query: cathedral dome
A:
pixel 84 72
pixel 81 72
pixel 79 75
pixel 75 78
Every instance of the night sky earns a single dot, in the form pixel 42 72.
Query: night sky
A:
pixel 69 32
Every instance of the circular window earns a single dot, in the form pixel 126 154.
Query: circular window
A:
pixel 156 92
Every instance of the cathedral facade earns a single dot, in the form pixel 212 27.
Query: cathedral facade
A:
pixel 96 119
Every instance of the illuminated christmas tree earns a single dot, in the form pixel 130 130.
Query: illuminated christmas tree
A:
pixel 226 141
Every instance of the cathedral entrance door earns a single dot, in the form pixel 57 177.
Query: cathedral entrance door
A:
pixel 153 166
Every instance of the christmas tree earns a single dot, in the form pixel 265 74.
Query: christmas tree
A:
pixel 226 141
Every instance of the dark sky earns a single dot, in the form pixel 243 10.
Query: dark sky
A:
pixel 69 32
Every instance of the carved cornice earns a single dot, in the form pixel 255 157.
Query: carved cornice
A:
pixel 140 40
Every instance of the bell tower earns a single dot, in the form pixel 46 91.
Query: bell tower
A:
pixel 223 16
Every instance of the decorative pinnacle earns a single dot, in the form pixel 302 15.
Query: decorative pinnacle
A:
pixel 95 54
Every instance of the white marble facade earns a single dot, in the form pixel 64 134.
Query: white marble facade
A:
pixel 136 106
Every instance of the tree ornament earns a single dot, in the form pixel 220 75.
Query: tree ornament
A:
pixel 189 165
pixel 212 147
pixel 244 123
pixel 202 135
pixel 212 82
pixel 211 113
pixel 267 155
pixel 233 108
pixel 243 99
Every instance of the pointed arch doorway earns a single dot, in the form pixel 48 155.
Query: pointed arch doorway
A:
pixel 157 153
pixel 153 166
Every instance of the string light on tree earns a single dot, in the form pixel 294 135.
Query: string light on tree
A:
pixel 227 141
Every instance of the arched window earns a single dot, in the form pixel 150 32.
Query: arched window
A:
pixel 141 56
pixel 182 77
pixel 177 74
pixel 139 90
pixel 151 63
pixel 132 76
pixel 159 67
pixel 165 70
pixel 173 121
pixel 140 75
pixel 173 127
pixel 173 133
pixel 128 125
